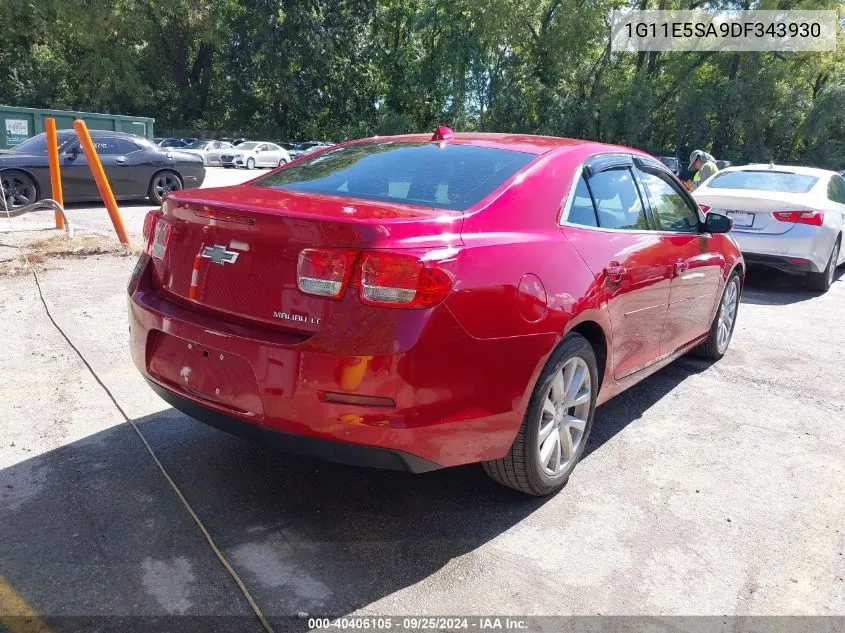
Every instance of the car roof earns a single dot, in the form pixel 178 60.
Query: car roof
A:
pixel 528 143
pixel 795 169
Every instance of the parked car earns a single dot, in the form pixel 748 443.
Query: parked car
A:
pixel 239 141
pixel 135 166
pixel 413 303
pixel 254 154
pixel 209 151
pixel 723 164
pixel 307 147
pixel 671 162
pixel 789 218
pixel 176 143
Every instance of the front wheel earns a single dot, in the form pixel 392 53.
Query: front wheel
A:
pixel 722 328
pixel 163 183
pixel 250 163
pixel 557 423
pixel 824 280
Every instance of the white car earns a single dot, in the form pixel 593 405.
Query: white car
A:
pixel 210 151
pixel 789 218
pixel 254 154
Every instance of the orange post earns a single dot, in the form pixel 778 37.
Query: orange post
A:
pixel 101 180
pixel 55 174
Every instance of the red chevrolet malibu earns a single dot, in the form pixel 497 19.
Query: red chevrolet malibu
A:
pixel 416 302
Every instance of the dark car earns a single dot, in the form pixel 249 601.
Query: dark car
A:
pixel 135 166
pixel 671 162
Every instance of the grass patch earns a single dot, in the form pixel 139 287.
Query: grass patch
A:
pixel 80 246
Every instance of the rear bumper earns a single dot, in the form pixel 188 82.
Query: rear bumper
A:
pixel 803 248
pixel 450 399
pixel 344 453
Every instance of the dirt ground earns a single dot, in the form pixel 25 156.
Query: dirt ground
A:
pixel 706 490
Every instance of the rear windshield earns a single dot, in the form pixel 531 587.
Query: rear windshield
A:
pixel 779 181
pixel 446 177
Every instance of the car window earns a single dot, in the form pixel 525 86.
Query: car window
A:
pixel 125 146
pixel 451 176
pixel 673 211
pixel 763 180
pixel 836 189
pixel 106 145
pixel 272 148
pixel 581 210
pixel 617 200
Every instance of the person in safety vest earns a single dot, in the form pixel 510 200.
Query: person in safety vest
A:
pixel 704 166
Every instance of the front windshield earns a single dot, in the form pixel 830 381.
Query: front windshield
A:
pixel 247 146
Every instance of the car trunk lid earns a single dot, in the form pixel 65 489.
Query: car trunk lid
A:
pixel 753 211
pixel 234 250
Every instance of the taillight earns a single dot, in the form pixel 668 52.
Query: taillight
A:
pixel 161 238
pixel 324 272
pixel 814 218
pixel 704 208
pixel 402 280
pixel 147 232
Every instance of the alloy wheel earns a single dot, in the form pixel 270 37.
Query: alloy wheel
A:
pixel 564 416
pixel 727 315
pixel 164 184
pixel 18 190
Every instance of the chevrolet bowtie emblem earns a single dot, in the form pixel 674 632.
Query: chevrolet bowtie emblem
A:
pixel 219 255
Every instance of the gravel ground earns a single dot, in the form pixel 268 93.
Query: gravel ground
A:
pixel 706 490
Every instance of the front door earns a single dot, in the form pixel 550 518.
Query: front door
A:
pixel 696 269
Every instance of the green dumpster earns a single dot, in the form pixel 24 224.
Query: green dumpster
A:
pixel 19 124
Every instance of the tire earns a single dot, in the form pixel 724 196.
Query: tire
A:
pixel 712 348
pixel 822 281
pixel 250 163
pixel 163 183
pixel 522 468
pixel 19 189
pixel 283 162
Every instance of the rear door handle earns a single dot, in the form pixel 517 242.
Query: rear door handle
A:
pixel 680 267
pixel 615 272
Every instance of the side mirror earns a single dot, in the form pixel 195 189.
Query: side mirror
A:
pixel 717 223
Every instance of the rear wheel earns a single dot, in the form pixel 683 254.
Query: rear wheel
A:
pixel 163 183
pixel 19 189
pixel 823 280
pixel 724 322
pixel 283 162
pixel 557 423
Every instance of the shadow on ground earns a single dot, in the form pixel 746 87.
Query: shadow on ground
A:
pixel 771 287
pixel 92 528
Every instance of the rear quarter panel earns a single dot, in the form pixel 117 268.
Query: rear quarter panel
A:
pixel 515 238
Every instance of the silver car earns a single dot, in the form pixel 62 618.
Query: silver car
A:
pixel 789 218
pixel 254 154
pixel 210 151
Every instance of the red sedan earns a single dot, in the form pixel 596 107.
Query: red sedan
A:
pixel 416 302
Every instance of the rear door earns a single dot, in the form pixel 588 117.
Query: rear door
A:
pixel 696 265
pixel 608 224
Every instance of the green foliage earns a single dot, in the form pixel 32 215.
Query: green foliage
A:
pixel 336 69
